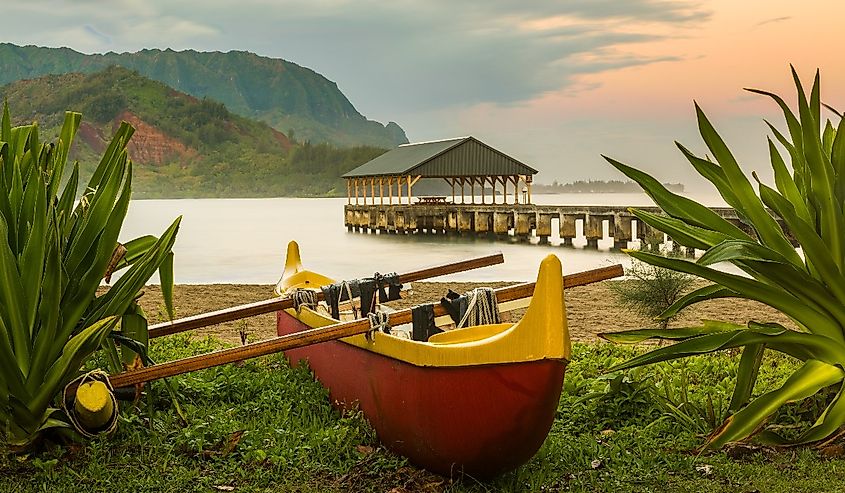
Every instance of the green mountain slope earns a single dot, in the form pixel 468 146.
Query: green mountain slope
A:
pixel 280 93
pixel 183 146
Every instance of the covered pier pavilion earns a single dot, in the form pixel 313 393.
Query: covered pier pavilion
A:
pixel 464 163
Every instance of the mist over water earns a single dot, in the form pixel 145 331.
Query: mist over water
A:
pixel 244 240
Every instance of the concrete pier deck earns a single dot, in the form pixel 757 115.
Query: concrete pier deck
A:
pixel 521 221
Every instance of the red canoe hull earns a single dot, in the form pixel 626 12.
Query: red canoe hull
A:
pixel 477 420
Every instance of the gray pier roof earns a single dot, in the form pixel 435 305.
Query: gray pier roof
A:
pixel 462 156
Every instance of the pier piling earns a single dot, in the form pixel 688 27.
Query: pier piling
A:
pixel 521 222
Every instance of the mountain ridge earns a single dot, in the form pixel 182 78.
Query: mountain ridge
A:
pixel 283 94
pixel 183 146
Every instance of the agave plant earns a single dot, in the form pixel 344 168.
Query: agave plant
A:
pixel 808 287
pixel 55 249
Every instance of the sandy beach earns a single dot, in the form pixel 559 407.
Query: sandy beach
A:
pixel 590 309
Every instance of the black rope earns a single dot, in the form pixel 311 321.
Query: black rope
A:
pixel 379 321
pixel 304 297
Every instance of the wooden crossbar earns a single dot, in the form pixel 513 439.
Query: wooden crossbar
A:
pixel 276 304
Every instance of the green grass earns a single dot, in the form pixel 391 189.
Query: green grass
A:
pixel 612 433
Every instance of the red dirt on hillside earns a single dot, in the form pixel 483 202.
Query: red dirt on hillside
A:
pixel 92 137
pixel 149 145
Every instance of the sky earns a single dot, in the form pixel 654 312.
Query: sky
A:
pixel 552 83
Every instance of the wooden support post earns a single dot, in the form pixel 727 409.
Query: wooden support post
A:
pixel 390 190
pixel 482 222
pixel 567 228
pixel 409 189
pixel 504 197
pixel 516 190
pixel 482 180
pixel 593 230
pixel 504 190
pixel 399 188
pixel 522 225
pixel 544 227
pixel 465 218
pixel 348 193
pixel 380 192
pixel 621 231
pixel 501 222
pixel 495 183
pixel 453 189
pixel 356 191
pixel 528 180
pixel 373 190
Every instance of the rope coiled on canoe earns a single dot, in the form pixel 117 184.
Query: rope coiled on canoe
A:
pixel 304 297
pixel 482 309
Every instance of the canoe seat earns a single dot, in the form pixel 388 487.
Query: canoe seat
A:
pixel 468 334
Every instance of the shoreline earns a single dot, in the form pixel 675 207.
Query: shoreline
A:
pixel 590 309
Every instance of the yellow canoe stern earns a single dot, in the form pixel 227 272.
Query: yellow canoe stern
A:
pixel 541 334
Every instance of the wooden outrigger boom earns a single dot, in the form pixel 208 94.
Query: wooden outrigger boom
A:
pixel 323 334
pixel 276 304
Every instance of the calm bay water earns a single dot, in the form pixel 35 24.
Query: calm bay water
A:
pixel 244 241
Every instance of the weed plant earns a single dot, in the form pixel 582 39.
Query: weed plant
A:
pixel 650 290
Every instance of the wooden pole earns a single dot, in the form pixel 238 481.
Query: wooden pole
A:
pixel 380 192
pixel 528 180
pixel 373 190
pixel 390 190
pixel 494 188
pixel 356 191
pixel 399 188
pixel 409 189
pixel 504 189
pixel 276 304
pixel 348 192
pixel 324 334
pixel 516 190
pixel 482 189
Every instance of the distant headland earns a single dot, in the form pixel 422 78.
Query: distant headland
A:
pixel 598 186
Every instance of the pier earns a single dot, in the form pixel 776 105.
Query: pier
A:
pixel 519 222
pixel 490 197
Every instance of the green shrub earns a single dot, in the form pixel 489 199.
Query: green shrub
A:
pixel 809 288
pixel 55 249
pixel 650 290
